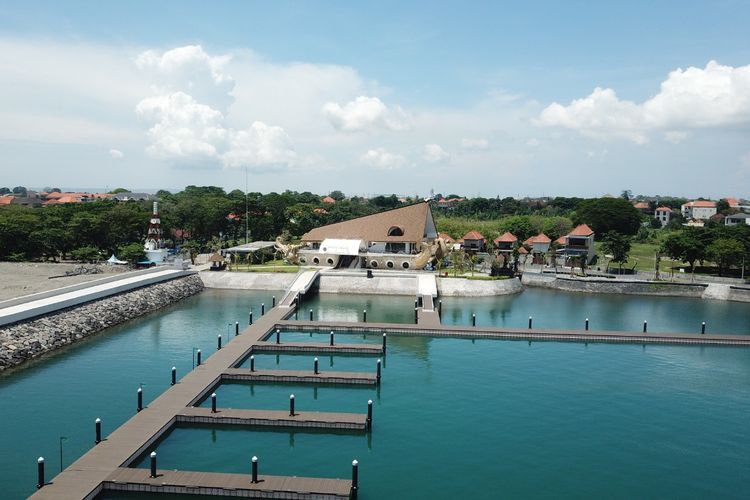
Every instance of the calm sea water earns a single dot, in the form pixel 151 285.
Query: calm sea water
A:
pixel 452 416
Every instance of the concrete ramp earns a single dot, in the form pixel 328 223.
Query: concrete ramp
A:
pixel 717 291
pixel 426 285
pixel 301 284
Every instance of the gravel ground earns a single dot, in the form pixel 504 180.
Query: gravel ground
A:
pixel 23 278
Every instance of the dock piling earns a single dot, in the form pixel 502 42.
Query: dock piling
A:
pixel 278 336
pixel 384 337
pixel 236 328
pixel 213 403
pixel 377 375
pixel 315 366
pixel 331 343
pixel 198 353
pixel 355 478
pixel 364 316
pixel 645 326
pixel 703 328
pixel 218 342
pixel 174 375
pixel 250 318
pixel 440 308
pixel 416 315
pixel 254 480
pixel 530 322
pixel 369 414
pixel 262 309
pixel 291 405
pixel 140 399
pixel 311 315
pixel 40 472
pixel 273 301
pixel 587 324
pixel 153 464
pixel 252 363
pixel 473 319
pixel 98 428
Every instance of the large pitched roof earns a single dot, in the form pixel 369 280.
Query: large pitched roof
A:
pixel 701 204
pixel 581 230
pixel 411 219
pixel 539 238
pixel 473 235
pixel 663 209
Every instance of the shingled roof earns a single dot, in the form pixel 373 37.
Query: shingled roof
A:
pixel 506 237
pixel 415 223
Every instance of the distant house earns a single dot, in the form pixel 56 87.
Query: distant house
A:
pixel 737 219
pixel 663 215
pixel 7 199
pixel 699 209
pixel 642 206
pixel 134 197
pixel 506 242
pixel 328 200
pixel 474 242
pixel 578 242
pixel 539 245
pixel 449 203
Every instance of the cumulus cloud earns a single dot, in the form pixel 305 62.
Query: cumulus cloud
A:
pixel 116 154
pixel 189 131
pixel 380 158
pixel 476 144
pixel 364 114
pixel 434 153
pixel 710 97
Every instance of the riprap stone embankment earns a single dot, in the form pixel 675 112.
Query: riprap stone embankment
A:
pixel 25 340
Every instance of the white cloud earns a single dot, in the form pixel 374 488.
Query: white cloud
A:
pixel 675 136
pixel 477 144
pixel 380 158
pixel 533 142
pixel 364 114
pixel 261 144
pixel 715 96
pixel 434 153
pixel 116 154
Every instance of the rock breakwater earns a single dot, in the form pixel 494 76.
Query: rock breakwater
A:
pixel 20 342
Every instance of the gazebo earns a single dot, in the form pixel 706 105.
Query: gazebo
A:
pixel 217 262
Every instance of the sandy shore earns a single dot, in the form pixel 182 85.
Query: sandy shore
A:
pixel 24 278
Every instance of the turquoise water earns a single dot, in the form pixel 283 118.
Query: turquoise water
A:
pixel 339 363
pixel 554 309
pixel 380 308
pixel 62 395
pixel 555 420
pixel 547 420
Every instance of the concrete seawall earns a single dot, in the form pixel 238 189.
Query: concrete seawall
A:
pixel 457 287
pixel 25 340
pixel 247 281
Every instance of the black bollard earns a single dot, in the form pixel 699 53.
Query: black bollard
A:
pixel 250 318
pixel 199 357
pixel 587 324
pixel 703 328
pixel 278 336
pixel 218 342
pixel 440 308
pixel 153 464
pixel 530 321
pixel 311 315
pixel 140 399
pixel 273 301
pixel 236 328
pixel 98 427
pixel 40 472
pixel 384 336
pixel 262 309
pixel 416 303
pixel 255 470
pixel 252 363
pixel 213 403
pixel 315 366
pixel 473 320
pixel 416 315
pixel 364 316
pixel 291 405
pixel 377 374
pixel 369 414
pixel 331 337
pixel 355 478
pixel 174 375
pixel 645 326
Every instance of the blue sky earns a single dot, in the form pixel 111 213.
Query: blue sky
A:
pixel 482 98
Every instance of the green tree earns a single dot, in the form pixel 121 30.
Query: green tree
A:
pixel 132 253
pixel 119 190
pixel 86 254
pixel 617 245
pixel 725 253
pixel 337 195
pixel 685 246
pixel 722 206
pixel 609 214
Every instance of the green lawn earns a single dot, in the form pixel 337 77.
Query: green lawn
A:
pixel 643 256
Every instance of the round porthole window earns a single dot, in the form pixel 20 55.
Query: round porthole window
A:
pixel 330 261
pixel 405 265
pixel 373 263
pixel 303 260
pixel 389 264
pixel 316 260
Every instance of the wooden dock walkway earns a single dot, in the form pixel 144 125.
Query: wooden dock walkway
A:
pixel 274 418
pixel 222 484
pixel 534 334
pixel 318 347
pixel 299 376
